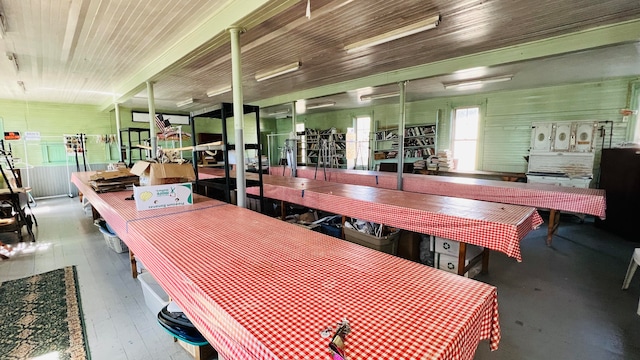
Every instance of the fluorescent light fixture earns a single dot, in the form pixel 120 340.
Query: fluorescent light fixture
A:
pixel 415 28
pixel 184 102
pixel 474 83
pixel 321 105
pixel 3 26
pixel 261 76
pixel 378 96
pixel 12 57
pixel 220 91
pixel 277 113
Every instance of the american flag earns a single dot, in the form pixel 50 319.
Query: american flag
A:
pixel 162 123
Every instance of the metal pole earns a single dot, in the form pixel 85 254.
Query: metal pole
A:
pixel 403 87
pixel 294 142
pixel 117 111
pixel 152 119
pixel 238 114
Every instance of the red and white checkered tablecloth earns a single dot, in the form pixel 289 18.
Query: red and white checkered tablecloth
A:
pixel 543 196
pixel 579 200
pixel 118 212
pixel 260 288
pixel 264 289
pixel 496 226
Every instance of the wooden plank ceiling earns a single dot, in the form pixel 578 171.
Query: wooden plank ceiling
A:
pixel 87 51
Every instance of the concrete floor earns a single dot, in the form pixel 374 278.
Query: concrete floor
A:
pixel 565 301
pixel 560 302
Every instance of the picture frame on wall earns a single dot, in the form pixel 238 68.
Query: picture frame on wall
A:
pixel 174 119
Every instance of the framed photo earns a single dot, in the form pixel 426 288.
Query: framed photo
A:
pixel 173 118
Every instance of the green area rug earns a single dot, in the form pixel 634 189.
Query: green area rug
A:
pixel 41 316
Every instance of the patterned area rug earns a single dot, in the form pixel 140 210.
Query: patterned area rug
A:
pixel 41 317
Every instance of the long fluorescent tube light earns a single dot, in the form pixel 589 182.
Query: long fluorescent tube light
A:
pixel 184 102
pixel 415 28
pixel 3 27
pixel 261 76
pixel 212 93
pixel 477 82
pixel 276 113
pixel 321 105
pixel 378 96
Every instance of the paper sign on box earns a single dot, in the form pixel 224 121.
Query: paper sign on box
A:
pixel 162 196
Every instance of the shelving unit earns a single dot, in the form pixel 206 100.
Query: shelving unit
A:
pixel 301 154
pixel 419 143
pixel 127 149
pixel 213 187
pixel 326 148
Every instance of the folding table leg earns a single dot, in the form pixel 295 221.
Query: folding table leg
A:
pixel 462 256
pixel 283 210
pixel 485 261
pixel 554 222
pixel 134 265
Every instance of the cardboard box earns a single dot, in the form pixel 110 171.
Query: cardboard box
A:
pixel 111 174
pixel 409 246
pixel 159 174
pixel 162 196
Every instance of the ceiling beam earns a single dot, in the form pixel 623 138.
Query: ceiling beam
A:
pixel 211 33
pixel 628 31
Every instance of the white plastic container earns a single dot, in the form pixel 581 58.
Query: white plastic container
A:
pixel 114 243
pixel 154 296
pixel 452 247
pixel 450 263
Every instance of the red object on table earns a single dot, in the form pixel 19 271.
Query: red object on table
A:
pixel 259 288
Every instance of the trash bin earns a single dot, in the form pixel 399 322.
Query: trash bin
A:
pixel 332 226
pixel 387 244
pixel 110 237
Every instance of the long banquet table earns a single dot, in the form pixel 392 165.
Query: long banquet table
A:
pixel 259 288
pixel 495 226
pixel 541 196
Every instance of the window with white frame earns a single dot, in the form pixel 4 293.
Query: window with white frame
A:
pixel 465 137
pixel 363 128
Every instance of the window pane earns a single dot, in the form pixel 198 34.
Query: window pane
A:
pixel 363 128
pixel 465 135
pixel 466 124
pixel 465 152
